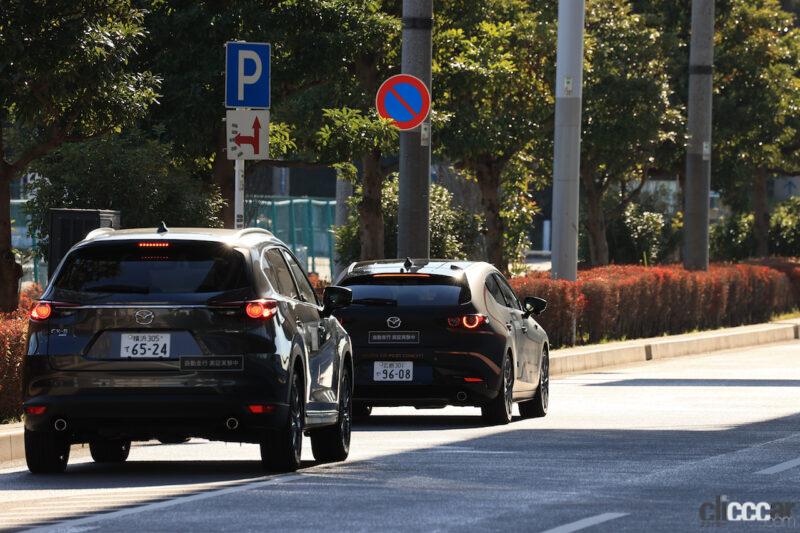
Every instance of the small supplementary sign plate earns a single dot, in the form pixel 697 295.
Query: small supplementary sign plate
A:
pixel 394 337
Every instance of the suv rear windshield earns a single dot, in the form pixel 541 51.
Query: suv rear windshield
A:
pixel 130 269
pixel 407 291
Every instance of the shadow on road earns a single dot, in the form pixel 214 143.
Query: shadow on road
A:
pixel 655 382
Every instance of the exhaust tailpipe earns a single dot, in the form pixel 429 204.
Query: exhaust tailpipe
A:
pixel 232 423
pixel 461 396
pixel 60 424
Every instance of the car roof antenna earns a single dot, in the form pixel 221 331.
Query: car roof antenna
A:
pixel 408 264
pixel 162 228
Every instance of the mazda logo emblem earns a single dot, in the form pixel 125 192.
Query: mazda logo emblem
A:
pixel 144 317
pixel 393 322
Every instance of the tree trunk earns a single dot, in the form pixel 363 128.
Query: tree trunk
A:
pixel 369 210
pixel 222 176
pixel 10 270
pixel 596 227
pixel 489 182
pixel 761 208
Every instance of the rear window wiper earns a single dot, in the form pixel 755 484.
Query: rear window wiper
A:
pixel 132 289
pixel 375 301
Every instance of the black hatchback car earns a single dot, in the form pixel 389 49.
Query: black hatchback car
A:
pixel 430 333
pixel 181 333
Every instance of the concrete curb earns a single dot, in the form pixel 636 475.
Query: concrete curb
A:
pixel 570 360
pixel 12 443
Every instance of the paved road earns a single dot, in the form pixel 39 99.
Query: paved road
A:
pixel 634 449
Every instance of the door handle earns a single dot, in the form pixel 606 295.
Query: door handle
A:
pixel 524 329
pixel 509 326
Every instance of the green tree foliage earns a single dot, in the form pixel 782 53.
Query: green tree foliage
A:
pixel 628 119
pixel 454 233
pixel 492 82
pixel 66 74
pixel 757 106
pixel 784 229
pixel 132 173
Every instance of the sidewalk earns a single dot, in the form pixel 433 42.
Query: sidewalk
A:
pixel 569 360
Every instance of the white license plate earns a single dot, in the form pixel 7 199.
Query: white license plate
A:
pixel 144 345
pixel 393 371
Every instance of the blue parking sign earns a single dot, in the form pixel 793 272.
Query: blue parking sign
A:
pixel 247 76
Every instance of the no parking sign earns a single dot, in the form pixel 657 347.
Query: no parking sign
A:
pixel 404 99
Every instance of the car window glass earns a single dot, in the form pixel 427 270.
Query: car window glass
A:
pixel 306 291
pixel 269 272
pixel 494 290
pixel 284 283
pixel 511 298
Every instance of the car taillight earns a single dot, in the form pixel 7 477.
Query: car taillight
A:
pixel 35 410
pixel 467 321
pixel 263 309
pixel 158 244
pixel 41 311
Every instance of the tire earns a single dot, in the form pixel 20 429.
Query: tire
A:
pixel 46 452
pixel 332 444
pixel 281 448
pixel 537 407
pixel 361 411
pixel 110 451
pixel 498 411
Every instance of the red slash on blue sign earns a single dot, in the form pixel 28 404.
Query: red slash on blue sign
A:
pixel 405 100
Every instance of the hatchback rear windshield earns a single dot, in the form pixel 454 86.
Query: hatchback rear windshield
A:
pixel 140 269
pixel 411 291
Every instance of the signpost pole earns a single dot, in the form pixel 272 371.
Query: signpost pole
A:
pixel 239 194
pixel 698 150
pixel 413 233
pixel 567 154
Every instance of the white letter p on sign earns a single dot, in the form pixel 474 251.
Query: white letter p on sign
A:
pixel 251 79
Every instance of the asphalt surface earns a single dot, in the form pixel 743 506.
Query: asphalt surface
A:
pixel 634 449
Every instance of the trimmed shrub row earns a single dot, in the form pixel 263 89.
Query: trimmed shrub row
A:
pixel 625 302
pixel 13 328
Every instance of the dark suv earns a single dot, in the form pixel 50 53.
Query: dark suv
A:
pixel 171 334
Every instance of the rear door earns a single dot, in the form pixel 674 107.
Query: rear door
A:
pixel 323 353
pixel 133 305
pixel 527 345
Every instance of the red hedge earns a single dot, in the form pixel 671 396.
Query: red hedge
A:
pixel 13 328
pixel 619 302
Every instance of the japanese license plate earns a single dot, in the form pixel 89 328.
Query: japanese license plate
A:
pixel 144 345
pixel 393 371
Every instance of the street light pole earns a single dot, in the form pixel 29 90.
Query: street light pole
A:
pixel 567 153
pixel 413 231
pixel 698 151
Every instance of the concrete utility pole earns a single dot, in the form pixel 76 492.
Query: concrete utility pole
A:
pixel 698 153
pixel 413 219
pixel 567 156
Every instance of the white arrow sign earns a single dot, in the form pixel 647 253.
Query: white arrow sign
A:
pixel 248 133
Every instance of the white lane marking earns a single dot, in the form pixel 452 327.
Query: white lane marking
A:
pixel 586 522
pixel 69 525
pixel 780 467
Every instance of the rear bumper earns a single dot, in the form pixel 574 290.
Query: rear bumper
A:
pixel 141 405
pixel 439 378
pixel 133 417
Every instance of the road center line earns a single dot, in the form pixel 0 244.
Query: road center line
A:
pixel 780 467
pixel 70 524
pixel 586 522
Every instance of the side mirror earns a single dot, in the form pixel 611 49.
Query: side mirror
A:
pixel 534 305
pixel 335 298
